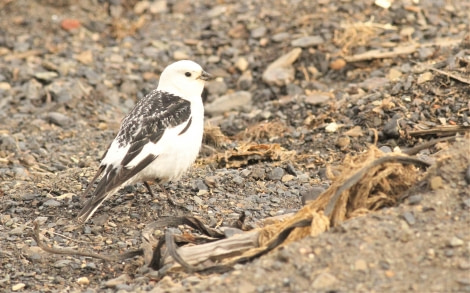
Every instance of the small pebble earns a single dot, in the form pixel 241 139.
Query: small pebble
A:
pixel 456 242
pixel 409 218
pixel 276 174
pixel 311 194
pixel 122 279
pixel 83 281
pixel 58 119
pixel 287 178
pixel 415 199
pixel 436 182
pixel 360 265
pixel 52 203
pixel 18 286
pixel 332 127
pixel 308 41
pixel 324 280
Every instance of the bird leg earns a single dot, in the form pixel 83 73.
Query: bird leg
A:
pixel 168 196
pixel 147 185
pixel 170 200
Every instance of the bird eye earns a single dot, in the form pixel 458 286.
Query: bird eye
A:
pixel 188 74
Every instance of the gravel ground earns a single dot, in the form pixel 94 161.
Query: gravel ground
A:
pixel 312 80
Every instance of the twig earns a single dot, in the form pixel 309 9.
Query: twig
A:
pixel 451 75
pixel 68 251
pixel 380 54
pixel 416 149
pixel 442 130
pixel 358 176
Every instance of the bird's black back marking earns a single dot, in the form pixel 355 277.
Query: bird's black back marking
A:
pixel 187 126
pixel 149 119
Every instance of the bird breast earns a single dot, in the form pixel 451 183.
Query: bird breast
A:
pixel 182 149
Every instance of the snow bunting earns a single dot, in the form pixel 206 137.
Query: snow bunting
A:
pixel 158 140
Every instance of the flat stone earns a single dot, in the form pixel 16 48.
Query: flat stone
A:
pixel 122 279
pixel 409 218
pixel 46 75
pixel 311 194
pixel 317 99
pixel 18 286
pixel 281 71
pixel 52 203
pixel 157 7
pixel 236 101
pixel 242 64
pixel 280 37
pixel 258 32
pixel 83 281
pixel 456 242
pixel 425 77
pixel 58 119
pixel 308 41
pixel 436 182
pixel 276 174
pixel 216 87
pixel 360 265
pixel 323 281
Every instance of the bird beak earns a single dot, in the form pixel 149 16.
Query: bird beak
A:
pixel 205 76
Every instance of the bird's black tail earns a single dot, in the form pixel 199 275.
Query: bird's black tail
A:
pixel 92 205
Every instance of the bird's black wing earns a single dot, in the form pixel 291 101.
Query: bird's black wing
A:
pixel 146 123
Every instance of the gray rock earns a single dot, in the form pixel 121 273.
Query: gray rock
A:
pixel 58 119
pixel 386 149
pixel 425 53
pixel 238 180
pixel 60 91
pixel 280 37
pixel 303 178
pixel 415 199
pixel 324 280
pixel 216 87
pixel 258 173
pixel 159 6
pixel 293 89
pixel 456 242
pixel 245 81
pixel 216 11
pixel 236 101
pixel 373 83
pixel 259 32
pixel 311 194
pixel 308 41
pixel 20 173
pixel 200 185
pixel 197 200
pixel 281 72
pixel 52 203
pixel 409 218
pixel 317 99
pixel 28 196
pixel 7 143
pixel 276 174
pixel 16 231
pixel 46 75
pixel 391 128
pixel 62 263
pixel 122 279
pixel 129 87
pixel 33 90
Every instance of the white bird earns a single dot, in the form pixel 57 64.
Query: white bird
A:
pixel 158 140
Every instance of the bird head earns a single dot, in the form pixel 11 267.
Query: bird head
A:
pixel 183 78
